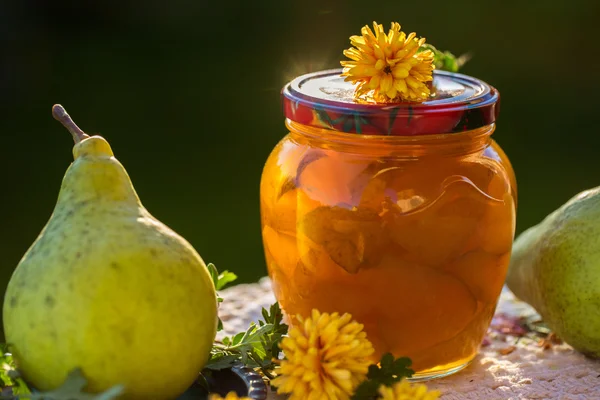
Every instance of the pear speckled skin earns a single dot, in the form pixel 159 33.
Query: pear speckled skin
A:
pixel 555 267
pixel 109 289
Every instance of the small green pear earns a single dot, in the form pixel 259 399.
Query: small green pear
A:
pixel 555 267
pixel 109 289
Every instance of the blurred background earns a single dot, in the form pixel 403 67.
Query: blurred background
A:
pixel 187 93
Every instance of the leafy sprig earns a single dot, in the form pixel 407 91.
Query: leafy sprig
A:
pixel 9 375
pixel 257 347
pixel 388 372
pixel 15 388
pixel 444 60
pixel 72 389
pixel 220 280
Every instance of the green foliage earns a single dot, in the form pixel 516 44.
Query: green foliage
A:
pixel 388 372
pixel 444 60
pixel 71 389
pixel 257 347
pixel 220 280
pixel 9 375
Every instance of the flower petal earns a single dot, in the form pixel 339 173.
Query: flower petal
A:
pixel 374 82
pixel 392 93
pixel 412 82
pixel 386 82
pixel 399 71
pixel 400 85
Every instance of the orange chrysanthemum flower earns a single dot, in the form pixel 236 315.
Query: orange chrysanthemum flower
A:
pixel 389 67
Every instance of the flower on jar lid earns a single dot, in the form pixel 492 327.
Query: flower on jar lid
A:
pixel 404 390
pixel 326 357
pixel 230 396
pixel 389 67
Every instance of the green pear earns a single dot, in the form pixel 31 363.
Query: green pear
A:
pixel 109 289
pixel 555 267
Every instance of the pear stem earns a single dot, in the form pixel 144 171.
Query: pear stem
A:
pixel 60 114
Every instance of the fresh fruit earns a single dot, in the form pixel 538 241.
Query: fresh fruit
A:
pixel 555 267
pixel 108 288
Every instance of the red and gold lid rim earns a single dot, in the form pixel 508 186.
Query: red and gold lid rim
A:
pixel 324 100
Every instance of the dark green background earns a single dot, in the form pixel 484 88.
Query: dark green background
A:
pixel 187 93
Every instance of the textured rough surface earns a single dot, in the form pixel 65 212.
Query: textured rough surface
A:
pixel 529 371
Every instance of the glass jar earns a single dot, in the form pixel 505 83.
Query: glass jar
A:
pixel 402 215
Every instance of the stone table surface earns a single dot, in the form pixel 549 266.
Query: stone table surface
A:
pixel 506 368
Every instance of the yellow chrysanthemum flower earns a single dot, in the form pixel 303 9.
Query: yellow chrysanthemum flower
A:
pixel 230 396
pixel 403 390
pixel 326 358
pixel 387 67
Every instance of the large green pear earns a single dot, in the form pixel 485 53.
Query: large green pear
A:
pixel 555 267
pixel 109 289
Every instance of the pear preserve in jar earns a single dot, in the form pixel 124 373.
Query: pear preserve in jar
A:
pixel 401 214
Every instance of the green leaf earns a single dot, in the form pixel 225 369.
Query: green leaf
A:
pixel 388 372
pixel 366 390
pixel 9 375
pixel 214 273
pixel 252 337
pixel 72 389
pixel 237 338
pixel 220 281
pixel 224 279
pixel 444 60
pixel 258 353
pixel 256 347
pixel 20 388
pixel 222 362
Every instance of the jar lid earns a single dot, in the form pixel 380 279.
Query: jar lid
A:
pixel 324 100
